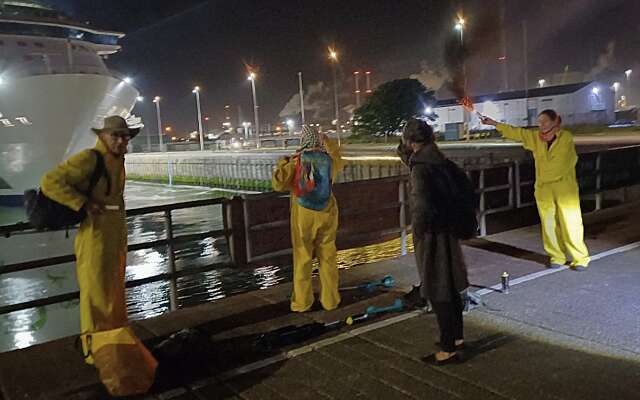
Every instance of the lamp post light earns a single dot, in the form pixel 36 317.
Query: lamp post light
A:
pixel 628 74
pixel 459 26
pixel 252 78
pixel 290 125
pixel 616 88
pixel 541 82
pixel 196 91
pixel 156 100
pixel 333 57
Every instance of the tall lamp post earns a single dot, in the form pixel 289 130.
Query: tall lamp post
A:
pixel 156 100
pixel 333 57
pixel 459 26
pixel 616 88
pixel 252 78
pixel 196 91
pixel 301 98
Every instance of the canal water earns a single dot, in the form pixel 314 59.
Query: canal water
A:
pixel 24 328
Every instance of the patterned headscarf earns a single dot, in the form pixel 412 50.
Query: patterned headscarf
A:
pixel 310 138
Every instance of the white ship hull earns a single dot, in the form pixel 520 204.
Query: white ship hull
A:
pixel 47 118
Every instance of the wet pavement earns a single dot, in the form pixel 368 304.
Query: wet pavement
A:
pixel 558 334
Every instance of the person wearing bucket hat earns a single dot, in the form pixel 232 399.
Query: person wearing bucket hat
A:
pixel 101 242
pixel 309 176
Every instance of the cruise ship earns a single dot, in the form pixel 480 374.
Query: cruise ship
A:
pixel 54 86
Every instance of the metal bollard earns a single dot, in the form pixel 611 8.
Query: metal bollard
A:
pixel 505 282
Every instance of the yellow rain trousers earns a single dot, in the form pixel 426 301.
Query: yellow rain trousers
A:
pixel 312 232
pixel 101 242
pixel 556 192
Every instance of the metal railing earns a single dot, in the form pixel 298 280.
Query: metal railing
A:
pixel 257 226
pixel 501 188
pixel 170 241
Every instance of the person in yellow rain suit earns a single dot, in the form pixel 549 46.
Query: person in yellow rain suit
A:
pixel 556 188
pixel 309 176
pixel 101 242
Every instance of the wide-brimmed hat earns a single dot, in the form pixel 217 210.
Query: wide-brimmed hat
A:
pixel 116 124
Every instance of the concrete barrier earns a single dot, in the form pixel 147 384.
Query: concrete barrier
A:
pixel 238 171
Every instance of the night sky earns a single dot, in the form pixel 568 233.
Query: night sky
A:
pixel 173 45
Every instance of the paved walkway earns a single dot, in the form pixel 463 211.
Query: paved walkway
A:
pixel 561 335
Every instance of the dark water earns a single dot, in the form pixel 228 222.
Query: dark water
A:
pixel 24 328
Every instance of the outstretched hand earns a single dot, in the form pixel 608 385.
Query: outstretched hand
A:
pixel 488 121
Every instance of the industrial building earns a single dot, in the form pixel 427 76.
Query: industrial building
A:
pixel 578 103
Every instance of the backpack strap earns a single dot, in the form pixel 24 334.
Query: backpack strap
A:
pixel 99 171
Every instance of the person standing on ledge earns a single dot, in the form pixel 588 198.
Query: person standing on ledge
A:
pixel 556 188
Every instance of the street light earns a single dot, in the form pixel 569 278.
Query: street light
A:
pixel 616 87
pixel 459 26
pixel 246 126
pixel 127 80
pixel 252 78
pixel 157 101
pixel 628 74
pixel 196 91
pixel 541 82
pixel 333 57
pixel 139 99
pixel 290 125
pixel 595 90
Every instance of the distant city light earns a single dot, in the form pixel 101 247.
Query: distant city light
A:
pixel 333 55
pixel 595 90
pixel 127 80
pixel 139 99
pixel 168 129
pixel 252 76
pixel 628 73
pixel 616 86
pixel 428 110
pixel 541 82
pixel 156 99
pixel 196 89
pixel 290 123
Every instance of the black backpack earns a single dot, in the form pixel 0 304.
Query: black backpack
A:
pixel 455 199
pixel 45 213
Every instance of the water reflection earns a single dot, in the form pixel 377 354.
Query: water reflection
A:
pixel 27 327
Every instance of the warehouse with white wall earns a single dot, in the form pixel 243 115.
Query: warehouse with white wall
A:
pixel 579 103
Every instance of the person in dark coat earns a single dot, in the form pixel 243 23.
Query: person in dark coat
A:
pixel 438 253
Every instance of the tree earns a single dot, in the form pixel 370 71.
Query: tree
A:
pixel 390 105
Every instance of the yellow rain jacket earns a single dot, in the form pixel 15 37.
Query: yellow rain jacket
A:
pixel 556 192
pixel 101 242
pixel 312 231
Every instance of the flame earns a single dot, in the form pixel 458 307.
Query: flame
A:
pixel 467 103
